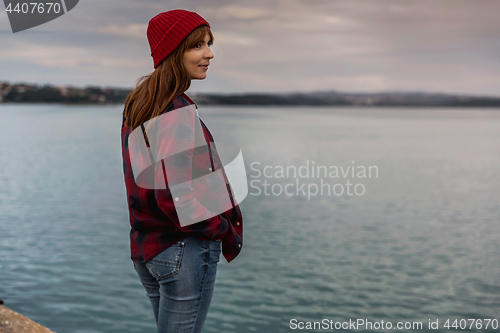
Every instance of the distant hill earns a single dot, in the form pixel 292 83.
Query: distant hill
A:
pixel 28 93
pixel 352 99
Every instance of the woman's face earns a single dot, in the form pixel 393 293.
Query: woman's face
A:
pixel 197 59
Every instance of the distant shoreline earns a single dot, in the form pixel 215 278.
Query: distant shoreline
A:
pixel 48 94
pixel 494 107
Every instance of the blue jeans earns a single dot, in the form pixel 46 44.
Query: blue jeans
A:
pixel 180 282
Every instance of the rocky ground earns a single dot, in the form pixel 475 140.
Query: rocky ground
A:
pixel 13 322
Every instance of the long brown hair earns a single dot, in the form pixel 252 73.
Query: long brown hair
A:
pixel 155 91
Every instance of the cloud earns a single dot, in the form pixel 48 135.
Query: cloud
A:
pixel 238 12
pixel 61 56
pixel 231 38
pixel 133 30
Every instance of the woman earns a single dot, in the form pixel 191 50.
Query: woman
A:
pixel 175 258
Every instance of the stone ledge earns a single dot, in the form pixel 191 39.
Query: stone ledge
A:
pixel 13 322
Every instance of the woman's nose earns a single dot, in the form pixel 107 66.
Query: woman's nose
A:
pixel 209 54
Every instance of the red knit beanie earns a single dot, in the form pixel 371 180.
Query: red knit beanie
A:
pixel 167 30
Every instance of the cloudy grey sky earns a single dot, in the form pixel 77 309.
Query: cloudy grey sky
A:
pixel 450 46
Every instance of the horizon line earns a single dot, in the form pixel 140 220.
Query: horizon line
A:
pixel 265 92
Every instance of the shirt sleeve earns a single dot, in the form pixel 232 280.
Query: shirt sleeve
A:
pixel 173 138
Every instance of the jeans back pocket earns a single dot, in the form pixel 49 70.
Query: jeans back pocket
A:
pixel 167 262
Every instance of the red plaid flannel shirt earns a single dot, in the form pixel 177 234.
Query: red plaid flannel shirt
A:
pixel 154 220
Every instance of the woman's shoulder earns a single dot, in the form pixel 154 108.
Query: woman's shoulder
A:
pixel 182 100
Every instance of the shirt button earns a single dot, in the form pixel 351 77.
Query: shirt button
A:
pixel 176 199
pixel 239 245
pixel 210 169
pixel 237 223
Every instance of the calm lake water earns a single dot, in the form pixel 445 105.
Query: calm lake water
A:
pixel 419 240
